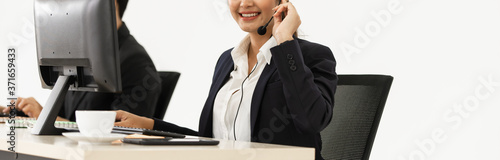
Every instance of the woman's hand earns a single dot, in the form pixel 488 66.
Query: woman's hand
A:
pixel 5 109
pixel 283 30
pixel 29 106
pixel 126 119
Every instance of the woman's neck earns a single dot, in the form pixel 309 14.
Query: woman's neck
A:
pixel 256 42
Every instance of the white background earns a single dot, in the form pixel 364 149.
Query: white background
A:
pixel 437 50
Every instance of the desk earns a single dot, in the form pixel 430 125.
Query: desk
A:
pixel 60 147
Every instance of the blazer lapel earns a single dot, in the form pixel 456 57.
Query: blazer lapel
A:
pixel 221 76
pixel 259 91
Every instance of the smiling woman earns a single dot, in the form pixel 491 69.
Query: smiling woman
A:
pixel 271 88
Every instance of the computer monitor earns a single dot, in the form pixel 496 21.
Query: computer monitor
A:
pixel 77 49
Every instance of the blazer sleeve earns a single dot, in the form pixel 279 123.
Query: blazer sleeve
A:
pixel 307 71
pixel 170 127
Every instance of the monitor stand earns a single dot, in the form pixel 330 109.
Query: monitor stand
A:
pixel 45 123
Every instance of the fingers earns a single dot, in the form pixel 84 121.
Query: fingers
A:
pixel 279 8
pixel 61 119
pixel 284 28
pixel 126 119
pixel 291 7
pixel 120 114
pixel 120 117
pixel 122 124
pixel 31 110
pixel 28 110
pixel 278 14
pixel 287 6
pixel 282 10
pixel 23 102
pixel 19 100
pixel 5 109
pixel 29 106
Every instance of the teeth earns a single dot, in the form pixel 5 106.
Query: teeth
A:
pixel 249 15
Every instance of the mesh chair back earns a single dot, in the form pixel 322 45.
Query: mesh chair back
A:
pixel 359 102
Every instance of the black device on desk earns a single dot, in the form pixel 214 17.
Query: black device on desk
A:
pixel 18 114
pixel 126 130
pixel 77 49
pixel 171 141
pixel 4 114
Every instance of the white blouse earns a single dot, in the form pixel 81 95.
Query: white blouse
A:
pixel 231 94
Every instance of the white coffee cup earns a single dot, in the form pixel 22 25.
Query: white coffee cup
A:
pixel 95 123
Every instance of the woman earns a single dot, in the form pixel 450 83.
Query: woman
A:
pixel 271 88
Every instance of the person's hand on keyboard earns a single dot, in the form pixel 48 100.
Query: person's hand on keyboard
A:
pixel 126 119
pixel 2 108
pixel 28 105
pixel 3 114
pixel 5 110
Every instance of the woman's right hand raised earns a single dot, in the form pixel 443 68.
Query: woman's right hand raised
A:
pixel 284 29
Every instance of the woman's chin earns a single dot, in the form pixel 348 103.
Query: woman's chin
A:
pixel 249 29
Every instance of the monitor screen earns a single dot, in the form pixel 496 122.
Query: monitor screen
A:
pixel 77 49
pixel 78 38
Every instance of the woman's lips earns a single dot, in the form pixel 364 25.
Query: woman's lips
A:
pixel 248 16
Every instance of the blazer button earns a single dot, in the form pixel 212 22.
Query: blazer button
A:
pixel 293 68
pixel 289 56
pixel 291 62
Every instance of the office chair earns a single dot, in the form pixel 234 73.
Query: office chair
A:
pixel 359 102
pixel 168 83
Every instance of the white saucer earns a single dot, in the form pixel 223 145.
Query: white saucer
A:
pixel 77 136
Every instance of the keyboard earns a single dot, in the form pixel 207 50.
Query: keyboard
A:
pixel 26 122
pixel 4 114
pixel 19 122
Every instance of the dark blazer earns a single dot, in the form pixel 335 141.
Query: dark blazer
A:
pixel 140 84
pixel 293 99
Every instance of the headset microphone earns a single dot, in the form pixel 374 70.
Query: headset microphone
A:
pixel 262 29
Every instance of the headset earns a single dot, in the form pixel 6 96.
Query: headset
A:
pixel 263 29
pixel 241 99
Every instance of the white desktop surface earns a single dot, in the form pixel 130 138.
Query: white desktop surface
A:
pixel 60 147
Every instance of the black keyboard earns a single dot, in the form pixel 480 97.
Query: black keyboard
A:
pixel 127 130
pixel 4 114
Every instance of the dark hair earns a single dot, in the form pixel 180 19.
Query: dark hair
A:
pixel 122 6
